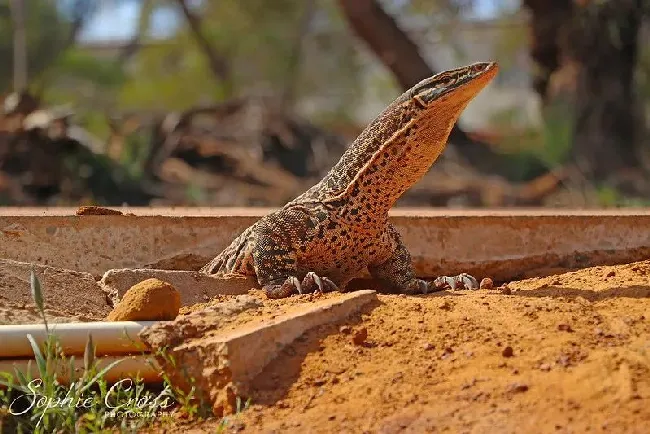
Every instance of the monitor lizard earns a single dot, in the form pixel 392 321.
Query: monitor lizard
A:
pixel 339 227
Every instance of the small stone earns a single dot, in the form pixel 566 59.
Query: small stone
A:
pixel 149 300
pixel 563 360
pixel 428 346
pixel 517 388
pixel 505 290
pixel 466 386
pixel 346 329
pixel 545 367
pixel 486 283
pixel 445 305
pixel 564 328
pixel 611 273
pixel 96 210
pixel 507 352
pixel 573 405
pixel 360 336
pixel 598 332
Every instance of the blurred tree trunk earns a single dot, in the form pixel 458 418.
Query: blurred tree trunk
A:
pixel 82 11
pixel 20 45
pixel 144 18
pixel 390 44
pixel 218 65
pixel 606 49
pixel 586 52
pixel 293 68
pixel 549 26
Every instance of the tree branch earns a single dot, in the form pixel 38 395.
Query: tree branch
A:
pixel 389 43
pixel 146 9
pixel 402 57
pixel 290 82
pixel 218 64
pixel 20 45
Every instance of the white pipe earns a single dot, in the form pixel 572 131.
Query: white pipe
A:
pixel 110 338
pixel 131 367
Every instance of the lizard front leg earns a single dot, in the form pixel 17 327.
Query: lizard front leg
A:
pixel 275 264
pixel 397 271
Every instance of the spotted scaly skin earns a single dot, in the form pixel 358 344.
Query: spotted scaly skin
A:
pixel 338 228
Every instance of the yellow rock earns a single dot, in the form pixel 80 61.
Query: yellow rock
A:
pixel 149 300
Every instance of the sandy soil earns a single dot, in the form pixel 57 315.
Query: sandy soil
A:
pixel 564 353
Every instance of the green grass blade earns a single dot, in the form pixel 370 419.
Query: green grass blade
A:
pixel 40 360
pixel 100 374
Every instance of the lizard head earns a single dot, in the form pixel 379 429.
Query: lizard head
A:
pixel 457 85
pixel 430 109
pixel 407 138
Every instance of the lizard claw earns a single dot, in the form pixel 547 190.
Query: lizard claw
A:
pixel 311 283
pixel 295 282
pixel 315 283
pixel 462 281
pixel 444 282
pixel 286 289
pixel 468 281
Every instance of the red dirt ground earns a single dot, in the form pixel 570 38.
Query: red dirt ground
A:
pixel 567 353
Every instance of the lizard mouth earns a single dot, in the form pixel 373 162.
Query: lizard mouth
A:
pixel 478 74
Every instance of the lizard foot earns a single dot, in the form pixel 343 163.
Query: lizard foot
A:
pixel 462 281
pixel 286 289
pixel 311 283
pixel 415 286
pixel 315 283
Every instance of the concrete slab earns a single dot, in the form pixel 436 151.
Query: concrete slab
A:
pixel 64 291
pixel 222 363
pixel 503 244
pixel 193 287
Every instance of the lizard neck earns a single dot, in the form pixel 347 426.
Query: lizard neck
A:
pixel 387 158
pixel 356 157
pixel 396 166
pixel 398 147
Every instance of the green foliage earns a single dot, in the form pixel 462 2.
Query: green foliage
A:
pixel 85 82
pixel 172 74
pixel 557 135
pixel 532 150
pixel 75 64
pixel 609 196
pixel 226 421
pixel 260 53
pixel 134 154
pixel 192 405
pixel 48 31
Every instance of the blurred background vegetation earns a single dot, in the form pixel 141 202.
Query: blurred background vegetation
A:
pixel 249 102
